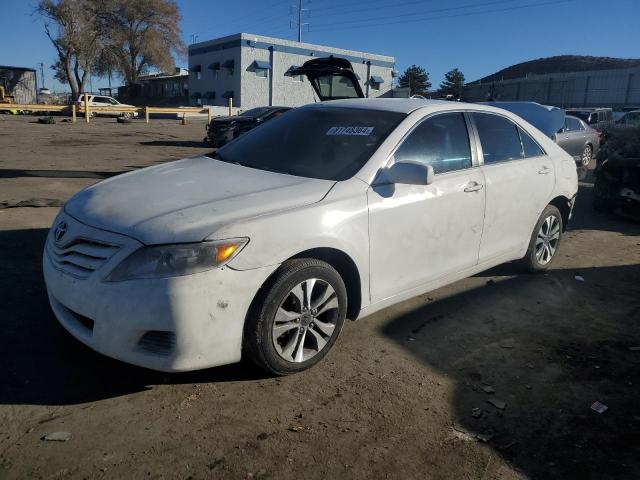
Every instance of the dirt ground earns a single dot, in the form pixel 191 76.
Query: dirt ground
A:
pixel 404 393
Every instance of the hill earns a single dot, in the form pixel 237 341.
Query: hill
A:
pixel 560 64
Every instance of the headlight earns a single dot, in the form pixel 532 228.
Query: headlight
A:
pixel 175 260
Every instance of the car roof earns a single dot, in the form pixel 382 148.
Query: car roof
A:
pixel 400 105
pixel 407 105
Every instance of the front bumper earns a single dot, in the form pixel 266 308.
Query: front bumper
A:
pixel 168 324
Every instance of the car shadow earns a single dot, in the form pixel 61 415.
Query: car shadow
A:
pixel 42 364
pixel 17 173
pixel 543 348
pixel 174 143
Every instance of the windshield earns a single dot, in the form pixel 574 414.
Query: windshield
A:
pixel 320 142
pixel 255 112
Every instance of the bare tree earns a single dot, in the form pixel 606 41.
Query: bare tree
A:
pixel 73 31
pixel 141 34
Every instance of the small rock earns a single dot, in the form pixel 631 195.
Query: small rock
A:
pixel 599 407
pixel 499 404
pixel 262 436
pixel 485 436
pixel 296 429
pixel 411 339
pixel 462 433
pixel 476 412
pixel 57 437
pixel 579 278
pixel 488 389
pixel 491 282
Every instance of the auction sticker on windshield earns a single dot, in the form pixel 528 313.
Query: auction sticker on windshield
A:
pixel 364 131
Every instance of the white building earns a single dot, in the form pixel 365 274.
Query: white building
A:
pixel 251 69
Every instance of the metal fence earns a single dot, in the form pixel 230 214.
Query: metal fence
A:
pixel 601 88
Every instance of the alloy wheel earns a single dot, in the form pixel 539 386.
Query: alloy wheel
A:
pixel 547 239
pixel 586 156
pixel 306 320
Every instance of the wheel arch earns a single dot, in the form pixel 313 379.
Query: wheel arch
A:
pixel 339 260
pixel 562 203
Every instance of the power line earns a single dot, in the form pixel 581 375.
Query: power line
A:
pixel 459 7
pixel 368 3
pixel 423 19
pixel 248 19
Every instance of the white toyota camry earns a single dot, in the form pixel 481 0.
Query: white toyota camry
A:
pixel 333 210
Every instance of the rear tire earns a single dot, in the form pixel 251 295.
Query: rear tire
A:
pixel 545 240
pixel 587 154
pixel 294 324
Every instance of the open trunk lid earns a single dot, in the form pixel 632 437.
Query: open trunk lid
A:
pixel 332 78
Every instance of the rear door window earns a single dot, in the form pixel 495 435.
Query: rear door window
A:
pixel 529 145
pixel 499 138
pixel 441 141
pixel 573 125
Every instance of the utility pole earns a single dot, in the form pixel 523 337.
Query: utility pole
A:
pixel 42 74
pixel 300 23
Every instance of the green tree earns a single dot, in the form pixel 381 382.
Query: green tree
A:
pixel 453 83
pixel 416 79
pixel 71 27
pixel 141 34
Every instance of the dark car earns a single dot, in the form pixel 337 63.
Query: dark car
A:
pixel 222 130
pixel 629 119
pixel 617 173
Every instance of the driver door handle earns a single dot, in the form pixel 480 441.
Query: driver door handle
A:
pixel 473 187
pixel 544 170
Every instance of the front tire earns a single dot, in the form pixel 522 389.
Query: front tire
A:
pixel 545 240
pixel 294 324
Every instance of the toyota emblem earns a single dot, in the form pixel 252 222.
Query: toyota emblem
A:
pixel 60 230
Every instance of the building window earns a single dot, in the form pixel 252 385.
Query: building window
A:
pixel 229 66
pixel 375 81
pixel 261 72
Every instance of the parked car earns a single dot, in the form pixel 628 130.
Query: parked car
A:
pixel 617 174
pixel 104 101
pixel 222 130
pixel 629 119
pixel 334 210
pixel 596 118
pixel 578 139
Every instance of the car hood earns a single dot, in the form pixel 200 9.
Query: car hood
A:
pixel 188 200
pixel 233 118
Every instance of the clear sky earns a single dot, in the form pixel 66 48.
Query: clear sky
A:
pixel 477 36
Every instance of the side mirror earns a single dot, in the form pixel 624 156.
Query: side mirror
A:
pixel 409 173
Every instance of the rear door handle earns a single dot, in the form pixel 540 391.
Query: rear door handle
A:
pixel 473 187
pixel 544 170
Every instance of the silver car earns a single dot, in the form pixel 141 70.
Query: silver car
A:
pixel 578 139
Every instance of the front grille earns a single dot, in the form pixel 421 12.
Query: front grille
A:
pixel 158 342
pixel 81 256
